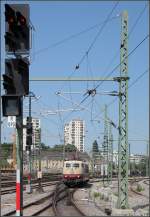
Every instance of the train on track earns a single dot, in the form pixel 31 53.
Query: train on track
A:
pixel 75 172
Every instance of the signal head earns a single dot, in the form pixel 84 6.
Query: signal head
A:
pixel 17 30
pixel 20 18
pixel 9 14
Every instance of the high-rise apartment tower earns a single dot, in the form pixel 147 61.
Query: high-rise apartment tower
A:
pixel 74 133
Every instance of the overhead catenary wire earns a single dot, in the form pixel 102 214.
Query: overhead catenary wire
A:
pixel 95 39
pixel 89 71
pixel 82 107
pixel 85 108
pixel 74 103
pixel 130 85
pixel 130 53
pixel 132 30
pixel 92 108
pixel 43 116
pixel 72 36
pixel 51 121
pixel 128 36
pixel 98 34
pixel 138 78
pixel 61 121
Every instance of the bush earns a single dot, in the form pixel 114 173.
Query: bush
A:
pixel 139 188
pixel 96 194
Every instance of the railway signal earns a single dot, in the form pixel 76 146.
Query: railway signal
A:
pixel 11 105
pixel 10 20
pixel 16 77
pixel 16 84
pixel 17 28
pixel 9 79
pixel 16 80
pixel 29 134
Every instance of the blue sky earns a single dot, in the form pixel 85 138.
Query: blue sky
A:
pixel 57 20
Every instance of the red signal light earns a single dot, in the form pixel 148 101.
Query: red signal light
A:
pixel 20 18
pixel 22 21
pixel 11 20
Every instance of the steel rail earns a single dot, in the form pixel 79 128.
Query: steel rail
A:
pixel 136 192
pixel 12 190
pixel 30 204
pixel 75 205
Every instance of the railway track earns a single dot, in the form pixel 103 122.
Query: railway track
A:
pixel 36 206
pixel 35 186
pixel 60 199
pixel 28 208
pixel 75 205
pixel 135 191
pixel 51 201
pixel 132 189
pixel 145 182
pixel 130 179
pixel 135 208
pixel 64 204
pixel 7 183
pixel 57 197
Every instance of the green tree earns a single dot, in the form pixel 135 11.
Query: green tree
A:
pixel 6 151
pixel 59 147
pixel 44 147
pixel 70 148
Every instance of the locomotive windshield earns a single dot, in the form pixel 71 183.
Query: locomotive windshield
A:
pixel 76 165
pixel 72 165
pixel 68 165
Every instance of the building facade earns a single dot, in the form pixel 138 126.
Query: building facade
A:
pixel 74 133
pixel 134 158
pixel 36 133
pixel 67 134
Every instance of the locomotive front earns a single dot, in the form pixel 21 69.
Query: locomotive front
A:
pixel 75 172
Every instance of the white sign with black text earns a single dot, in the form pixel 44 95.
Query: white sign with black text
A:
pixel 11 121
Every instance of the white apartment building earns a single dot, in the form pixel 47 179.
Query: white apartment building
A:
pixel 67 134
pixel 134 158
pixel 74 133
pixel 36 133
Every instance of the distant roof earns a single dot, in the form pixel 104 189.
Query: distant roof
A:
pixel 74 161
pixel 47 154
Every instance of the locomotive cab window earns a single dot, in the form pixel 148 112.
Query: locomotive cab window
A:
pixel 68 165
pixel 76 165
